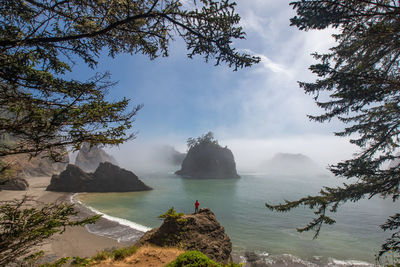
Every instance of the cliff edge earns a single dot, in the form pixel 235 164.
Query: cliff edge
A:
pixel 199 231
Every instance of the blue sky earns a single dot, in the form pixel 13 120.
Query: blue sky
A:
pixel 259 110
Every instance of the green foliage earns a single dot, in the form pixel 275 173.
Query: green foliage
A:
pixel 22 226
pixel 57 263
pixel 40 41
pixel 121 253
pixel 207 138
pixel 116 254
pixel 102 255
pixel 361 76
pixel 172 214
pixel 78 261
pixel 196 259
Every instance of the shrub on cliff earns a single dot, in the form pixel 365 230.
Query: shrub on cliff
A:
pixel 197 259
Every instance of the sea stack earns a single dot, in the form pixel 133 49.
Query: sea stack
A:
pixel 107 178
pixel 206 159
pixel 200 231
pixel 89 158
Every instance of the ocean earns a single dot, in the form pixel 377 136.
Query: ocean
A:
pixel 239 205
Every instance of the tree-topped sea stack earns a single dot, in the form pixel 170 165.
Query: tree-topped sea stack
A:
pixel 206 159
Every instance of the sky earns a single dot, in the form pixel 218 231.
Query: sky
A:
pixel 256 112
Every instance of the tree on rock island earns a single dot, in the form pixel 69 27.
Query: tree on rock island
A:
pixel 361 75
pixel 42 110
pixel 206 159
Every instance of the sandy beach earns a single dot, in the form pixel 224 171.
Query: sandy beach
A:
pixel 75 241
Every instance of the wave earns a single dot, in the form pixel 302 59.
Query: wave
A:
pixel 261 259
pixel 116 228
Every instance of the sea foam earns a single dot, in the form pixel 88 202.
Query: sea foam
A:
pixel 120 221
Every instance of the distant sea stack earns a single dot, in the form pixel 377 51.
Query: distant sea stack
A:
pixel 89 158
pixel 169 155
pixel 206 159
pixel 292 164
pixel 106 178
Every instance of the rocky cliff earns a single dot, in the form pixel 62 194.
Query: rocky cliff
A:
pixel 106 178
pixel 199 231
pixel 208 160
pixel 40 165
pixel 89 158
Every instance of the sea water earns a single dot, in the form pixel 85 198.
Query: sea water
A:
pixel 239 205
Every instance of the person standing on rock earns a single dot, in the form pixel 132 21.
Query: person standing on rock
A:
pixel 196 206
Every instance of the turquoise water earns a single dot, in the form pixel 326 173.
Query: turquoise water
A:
pixel 239 206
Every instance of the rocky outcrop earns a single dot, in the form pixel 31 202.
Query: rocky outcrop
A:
pixel 40 165
pixel 17 183
pixel 208 161
pixel 199 231
pixel 106 178
pixel 89 158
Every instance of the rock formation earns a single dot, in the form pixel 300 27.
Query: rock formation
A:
pixel 206 159
pixel 106 178
pixel 292 164
pixel 199 231
pixel 89 158
pixel 17 183
pixel 40 165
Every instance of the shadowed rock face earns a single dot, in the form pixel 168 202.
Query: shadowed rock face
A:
pixel 209 161
pixel 15 184
pixel 199 231
pixel 107 178
pixel 89 158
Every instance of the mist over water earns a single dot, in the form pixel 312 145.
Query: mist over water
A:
pixel 239 207
pixel 270 172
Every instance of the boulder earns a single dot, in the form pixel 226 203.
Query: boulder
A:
pixel 17 183
pixel 106 178
pixel 89 158
pixel 199 231
pixel 208 160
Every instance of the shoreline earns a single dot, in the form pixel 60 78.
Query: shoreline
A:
pixel 75 241
pixel 106 233
pixel 118 229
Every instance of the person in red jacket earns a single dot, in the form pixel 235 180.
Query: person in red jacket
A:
pixel 196 206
